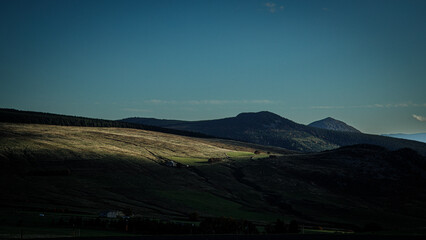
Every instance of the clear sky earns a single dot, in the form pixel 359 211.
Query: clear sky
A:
pixel 362 62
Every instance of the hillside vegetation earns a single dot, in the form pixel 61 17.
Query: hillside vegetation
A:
pixel 267 128
pixel 88 170
pixel 91 169
pixel 17 116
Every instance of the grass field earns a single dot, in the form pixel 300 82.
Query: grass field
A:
pixel 86 170
pixel 241 155
pixel 189 160
pixel 99 160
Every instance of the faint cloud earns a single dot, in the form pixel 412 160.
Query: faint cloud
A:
pixel 210 102
pixel 397 105
pixel 272 7
pixel 401 105
pixel 327 107
pixel 377 105
pixel 420 105
pixel 325 9
pixel 419 118
pixel 135 110
pixel 157 101
pixel 263 101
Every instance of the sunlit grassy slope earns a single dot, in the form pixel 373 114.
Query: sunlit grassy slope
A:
pixel 88 169
pixel 116 168
pixel 96 143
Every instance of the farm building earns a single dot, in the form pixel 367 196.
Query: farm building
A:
pixel 111 214
pixel 171 164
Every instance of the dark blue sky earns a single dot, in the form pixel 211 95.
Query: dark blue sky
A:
pixel 363 62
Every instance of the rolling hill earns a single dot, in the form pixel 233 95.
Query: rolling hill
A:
pixel 156 174
pixel 91 169
pixel 267 128
pixel 333 124
pixel 17 116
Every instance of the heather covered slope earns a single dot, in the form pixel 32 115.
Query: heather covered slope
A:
pixel 89 169
pixel 267 128
pixel 17 116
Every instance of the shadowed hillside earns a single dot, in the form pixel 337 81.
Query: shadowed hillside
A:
pixel 101 168
pixel 89 169
pixel 267 128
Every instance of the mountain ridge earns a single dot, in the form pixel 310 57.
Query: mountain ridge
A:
pixel 264 128
pixel 333 124
pixel 19 116
pixel 268 128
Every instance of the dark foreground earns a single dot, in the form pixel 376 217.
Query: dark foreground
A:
pixel 261 237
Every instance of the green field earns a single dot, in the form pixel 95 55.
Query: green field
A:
pixel 246 155
pixel 81 171
pixel 239 154
pixel 189 160
pixel 94 162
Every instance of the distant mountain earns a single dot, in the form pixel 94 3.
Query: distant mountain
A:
pixel 267 128
pixel 333 124
pixel 420 137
